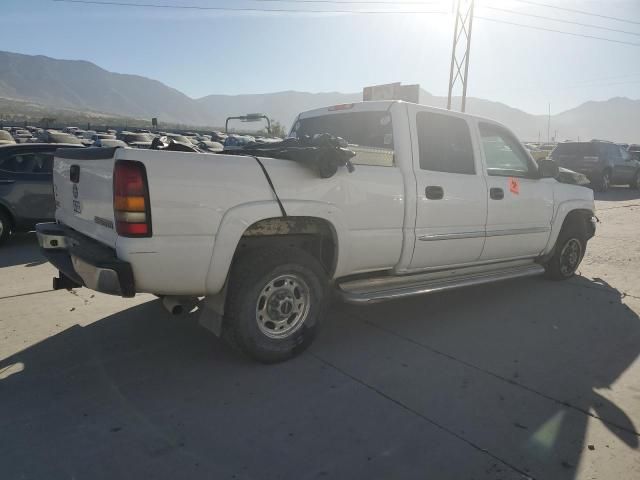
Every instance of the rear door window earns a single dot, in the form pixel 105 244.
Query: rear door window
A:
pixel 444 143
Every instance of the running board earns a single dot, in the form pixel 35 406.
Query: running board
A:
pixel 357 292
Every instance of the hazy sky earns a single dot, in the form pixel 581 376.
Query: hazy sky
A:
pixel 205 52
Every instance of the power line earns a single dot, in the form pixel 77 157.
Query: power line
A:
pixel 541 89
pixel 582 12
pixel 354 12
pixel 358 2
pixel 246 9
pixel 583 35
pixel 590 25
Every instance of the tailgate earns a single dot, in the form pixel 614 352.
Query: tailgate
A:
pixel 83 189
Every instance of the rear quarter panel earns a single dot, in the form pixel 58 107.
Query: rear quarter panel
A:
pixel 189 195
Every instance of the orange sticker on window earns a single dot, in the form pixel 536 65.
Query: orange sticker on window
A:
pixel 514 186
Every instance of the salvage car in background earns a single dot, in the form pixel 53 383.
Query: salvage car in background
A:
pixel 26 191
pixel 604 163
pixel 535 152
pixel 6 138
pixel 109 142
pixel 136 139
pixel 53 136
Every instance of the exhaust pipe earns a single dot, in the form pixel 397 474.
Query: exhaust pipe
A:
pixel 174 305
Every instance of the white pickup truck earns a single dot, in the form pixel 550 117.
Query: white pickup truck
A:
pixel 438 200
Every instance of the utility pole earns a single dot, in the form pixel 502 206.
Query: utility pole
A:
pixel 461 36
pixel 549 125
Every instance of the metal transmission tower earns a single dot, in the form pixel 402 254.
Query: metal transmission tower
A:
pixel 461 36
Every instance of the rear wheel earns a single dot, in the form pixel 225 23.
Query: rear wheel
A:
pixel 5 226
pixel 275 303
pixel 569 250
pixel 635 183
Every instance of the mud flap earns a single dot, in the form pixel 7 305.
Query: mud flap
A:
pixel 211 311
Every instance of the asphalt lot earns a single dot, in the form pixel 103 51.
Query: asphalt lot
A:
pixel 528 378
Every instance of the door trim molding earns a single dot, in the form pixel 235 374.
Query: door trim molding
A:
pixel 483 234
pixel 518 231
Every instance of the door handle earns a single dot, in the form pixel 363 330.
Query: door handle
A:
pixel 5 181
pixel 434 192
pixel 496 193
pixel 74 173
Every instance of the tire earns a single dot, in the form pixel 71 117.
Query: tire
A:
pixel 568 251
pixel 635 183
pixel 275 303
pixel 604 182
pixel 5 226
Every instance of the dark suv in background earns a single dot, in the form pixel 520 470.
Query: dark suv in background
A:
pixel 26 186
pixel 604 163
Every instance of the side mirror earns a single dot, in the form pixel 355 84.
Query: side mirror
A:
pixel 547 168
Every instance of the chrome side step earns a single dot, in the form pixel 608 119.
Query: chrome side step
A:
pixel 356 292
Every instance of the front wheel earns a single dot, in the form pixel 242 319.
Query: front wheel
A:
pixel 5 227
pixel 275 303
pixel 635 183
pixel 569 251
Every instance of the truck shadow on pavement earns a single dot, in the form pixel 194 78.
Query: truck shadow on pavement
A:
pixel 21 249
pixel 617 194
pixel 490 382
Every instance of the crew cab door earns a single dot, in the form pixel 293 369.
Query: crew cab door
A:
pixel 520 207
pixel 624 168
pixel 451 208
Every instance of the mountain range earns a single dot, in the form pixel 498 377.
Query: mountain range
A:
pixel 77 85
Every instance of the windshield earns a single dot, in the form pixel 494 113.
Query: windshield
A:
pixel 577 149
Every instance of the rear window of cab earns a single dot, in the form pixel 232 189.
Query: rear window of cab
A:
pixel 369 134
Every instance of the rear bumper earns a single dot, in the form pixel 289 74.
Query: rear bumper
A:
pixel 84 261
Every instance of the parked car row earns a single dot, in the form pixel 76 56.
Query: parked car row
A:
pixel 214 142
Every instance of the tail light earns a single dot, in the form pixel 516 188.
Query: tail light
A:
pixel 131 199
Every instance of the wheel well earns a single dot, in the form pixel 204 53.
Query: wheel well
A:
pixel 314 235
pixel 576 216
pixel 7 212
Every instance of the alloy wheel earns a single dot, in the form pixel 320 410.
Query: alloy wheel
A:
pixel 570 257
